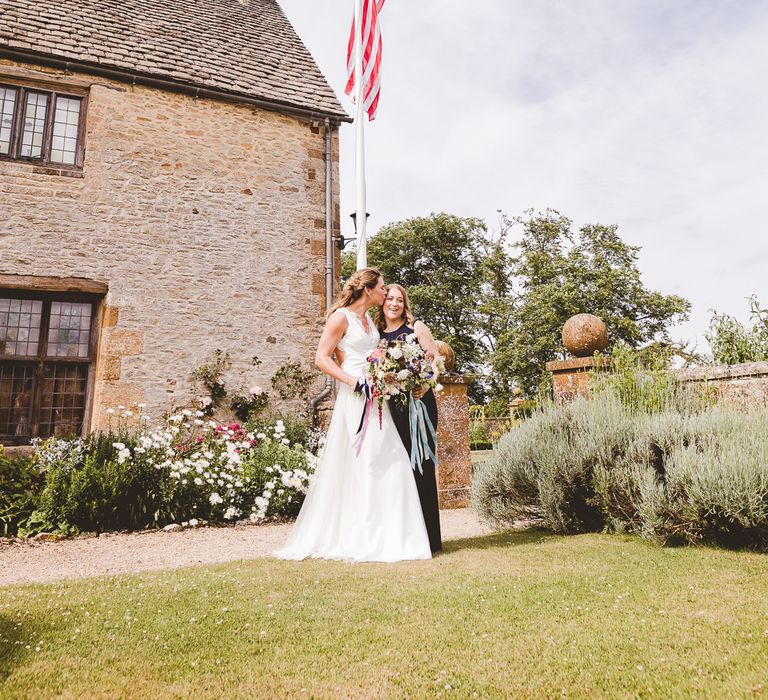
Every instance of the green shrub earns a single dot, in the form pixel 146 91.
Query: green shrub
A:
pixel 186 470
pixel 733 343
pixel 641 381
pixel 296 427
pixel 716 483
pixel 478 436
pixel 545 467
pixel 278 475
pixel 88 488
pixel 21 482
pixel 695 476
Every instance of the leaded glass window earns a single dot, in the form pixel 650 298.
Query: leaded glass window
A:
pixel 7 111
pixel 20 326
pixel 33 131
pixel 47 352
pixel 70 329
pixel 66 123
pixel 44 126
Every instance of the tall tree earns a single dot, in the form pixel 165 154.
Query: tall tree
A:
pixel 560 272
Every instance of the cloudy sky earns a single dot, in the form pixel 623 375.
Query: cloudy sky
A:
pixel 651 114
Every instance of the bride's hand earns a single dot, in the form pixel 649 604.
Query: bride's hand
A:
pixel 418 393
pixel 352 381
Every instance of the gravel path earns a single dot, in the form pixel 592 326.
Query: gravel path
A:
pixel 39 562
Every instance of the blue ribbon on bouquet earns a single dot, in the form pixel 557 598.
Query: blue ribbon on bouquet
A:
pixel 363 389
pixel 421 429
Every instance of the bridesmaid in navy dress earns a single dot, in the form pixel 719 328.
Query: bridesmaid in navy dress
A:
pixel 394 321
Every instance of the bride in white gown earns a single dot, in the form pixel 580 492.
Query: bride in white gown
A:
pixel 359 507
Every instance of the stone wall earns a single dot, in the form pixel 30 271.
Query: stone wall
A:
pixel 205 219
pixel 744 386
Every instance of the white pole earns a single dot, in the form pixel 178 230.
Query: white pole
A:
pixel 360 218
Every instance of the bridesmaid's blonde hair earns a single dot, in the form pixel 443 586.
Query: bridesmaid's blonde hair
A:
pixel 353 288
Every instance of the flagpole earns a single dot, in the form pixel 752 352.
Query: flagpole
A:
pixel 360 218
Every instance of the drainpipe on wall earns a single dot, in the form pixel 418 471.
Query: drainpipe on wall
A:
pixel 313 404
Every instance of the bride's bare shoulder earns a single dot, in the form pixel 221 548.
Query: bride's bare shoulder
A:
pixel 337 321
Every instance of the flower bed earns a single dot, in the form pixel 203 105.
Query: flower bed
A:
pixel 187 470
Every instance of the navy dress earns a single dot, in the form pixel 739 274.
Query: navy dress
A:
pixel 426 482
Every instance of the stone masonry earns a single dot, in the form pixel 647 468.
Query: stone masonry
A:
pixel 743 386
pixel 206 221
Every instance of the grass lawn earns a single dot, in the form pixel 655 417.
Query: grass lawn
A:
pixel 521 614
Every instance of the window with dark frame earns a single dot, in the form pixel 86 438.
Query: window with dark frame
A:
pixel 47 351
pixel 42 126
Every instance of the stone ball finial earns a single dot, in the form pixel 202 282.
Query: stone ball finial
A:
pixel 584 335
pixel 446 351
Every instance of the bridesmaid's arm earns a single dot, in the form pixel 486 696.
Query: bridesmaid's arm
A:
pixel 334 330
pixel 426 340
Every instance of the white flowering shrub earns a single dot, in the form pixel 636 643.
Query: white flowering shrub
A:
pixel 186 470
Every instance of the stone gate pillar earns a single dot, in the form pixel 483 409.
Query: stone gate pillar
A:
pixel 583 335
pixel 454 469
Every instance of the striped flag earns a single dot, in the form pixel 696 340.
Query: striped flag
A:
pixel 371 47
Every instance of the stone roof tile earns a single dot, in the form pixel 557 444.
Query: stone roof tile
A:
pixel 243 47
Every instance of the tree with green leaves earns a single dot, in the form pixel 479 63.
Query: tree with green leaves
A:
pixel 560 272
pixel 501 303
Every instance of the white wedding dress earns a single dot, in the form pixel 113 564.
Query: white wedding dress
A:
pixel 366 507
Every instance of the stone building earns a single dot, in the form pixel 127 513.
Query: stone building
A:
pixel 167 188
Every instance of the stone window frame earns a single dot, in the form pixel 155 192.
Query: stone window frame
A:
pixel 53 91
pixel 49 290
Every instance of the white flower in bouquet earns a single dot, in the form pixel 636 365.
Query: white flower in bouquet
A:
pixel 215 499
pixel 395 353
pixel 403 374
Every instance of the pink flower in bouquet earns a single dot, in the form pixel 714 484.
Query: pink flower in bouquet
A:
pixel 378 355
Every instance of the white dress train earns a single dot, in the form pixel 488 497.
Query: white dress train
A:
pixel 360 507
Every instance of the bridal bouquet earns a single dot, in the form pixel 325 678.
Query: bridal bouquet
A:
pixel 395 368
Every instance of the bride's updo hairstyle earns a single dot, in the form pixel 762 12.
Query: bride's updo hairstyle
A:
pixel 355 286
pixel 407 316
